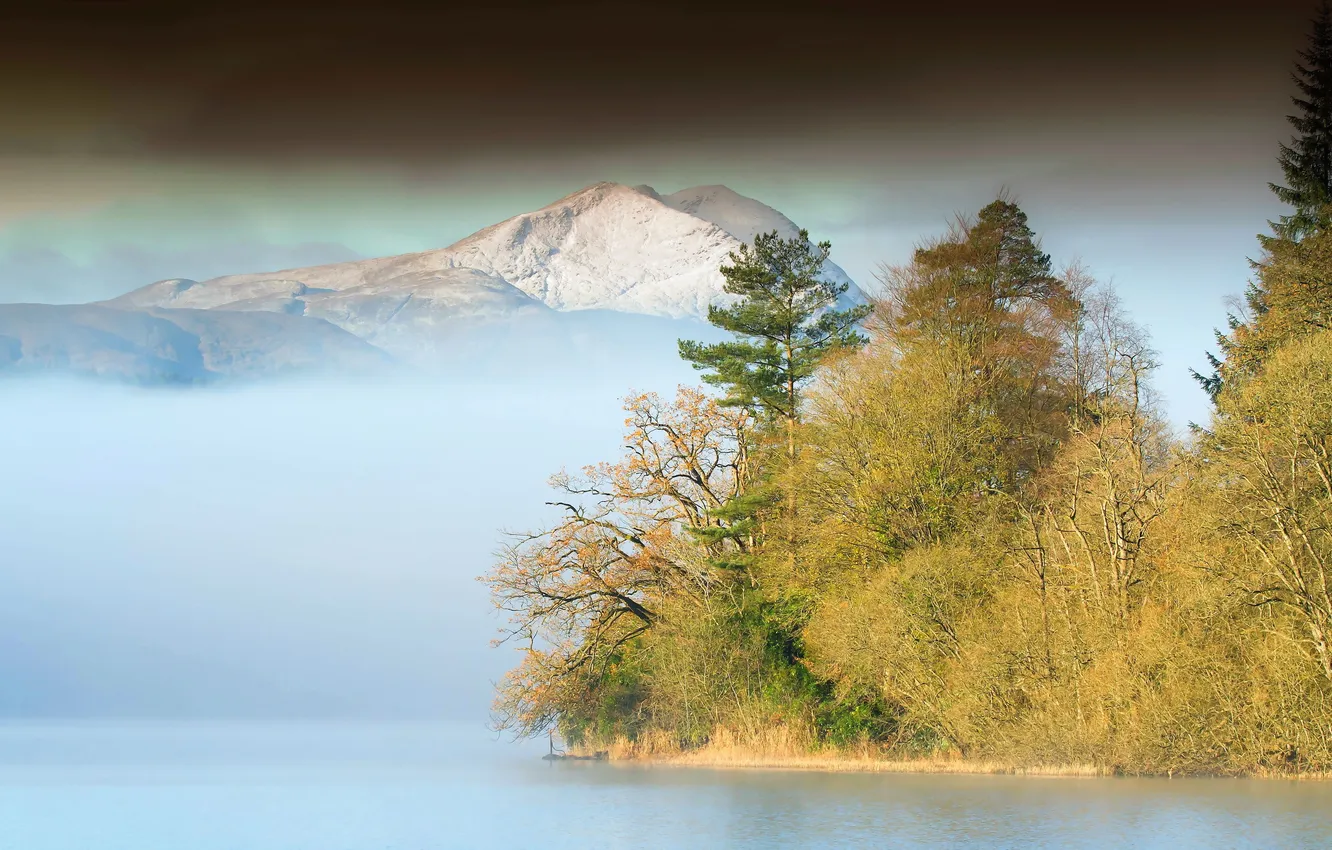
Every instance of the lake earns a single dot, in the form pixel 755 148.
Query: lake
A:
pixel 403 786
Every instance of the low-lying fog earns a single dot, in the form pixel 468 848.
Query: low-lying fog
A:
pixel 282 550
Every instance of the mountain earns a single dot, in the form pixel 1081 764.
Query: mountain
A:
pixel 568 288
pixel 608 247
pixel 744 218
pixel 173 346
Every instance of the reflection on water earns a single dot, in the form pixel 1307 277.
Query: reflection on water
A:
pixel 418 787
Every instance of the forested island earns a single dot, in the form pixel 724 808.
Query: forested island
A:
pixel 954 525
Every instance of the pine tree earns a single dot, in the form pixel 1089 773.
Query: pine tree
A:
pixel 1307 161
pixel 965 287
pixel 1307 165
pixel 987 290
pixel 785 324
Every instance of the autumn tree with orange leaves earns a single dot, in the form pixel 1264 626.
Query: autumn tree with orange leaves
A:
pixel 580 592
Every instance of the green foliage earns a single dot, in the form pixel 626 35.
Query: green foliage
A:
pixel 737 522
pixel 733 664
pixel 1306 162
pixel 859 716
pixel 612 704
pixel 840 719
pixel 785 324
pixel 1291 289
pixel 1291 298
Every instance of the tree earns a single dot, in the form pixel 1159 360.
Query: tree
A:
pixel 904 634
pixel 899 448
pixel 785 323
pixel 987 288
pixel 580 591
pixel 1269 459
pixel 1291 297
pixel 1307 166
pixel 975 284
pixel 1307 161
pixel 1096 502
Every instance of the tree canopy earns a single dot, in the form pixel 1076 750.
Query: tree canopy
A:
pixel 785 322
pixel 988 543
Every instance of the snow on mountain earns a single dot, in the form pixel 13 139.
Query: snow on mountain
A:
pixel 606 247
pixel 415 311
pixel 744 218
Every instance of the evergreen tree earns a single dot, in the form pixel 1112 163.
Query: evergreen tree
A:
pixel 1291 297
pixel 988 290
pixel 785 324
pixel 1307 161
pixel 966 287
pixel 1307 165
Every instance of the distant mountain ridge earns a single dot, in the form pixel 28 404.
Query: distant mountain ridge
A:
pixel 605 250
pixel 605 247
pixel 174 346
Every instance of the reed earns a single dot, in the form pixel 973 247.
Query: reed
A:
pixel 792 748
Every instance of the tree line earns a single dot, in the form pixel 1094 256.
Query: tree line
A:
pixel 956 521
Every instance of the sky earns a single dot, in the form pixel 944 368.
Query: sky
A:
pixel 145 140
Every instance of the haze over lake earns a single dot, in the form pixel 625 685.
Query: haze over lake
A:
pixel 406 786
pixel 303 549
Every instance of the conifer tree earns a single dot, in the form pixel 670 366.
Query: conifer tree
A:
pixel 988 290
pixel 966 286
pixel 785 324
pixel 1307 161
pixel 1307 166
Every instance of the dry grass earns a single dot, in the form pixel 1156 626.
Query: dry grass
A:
pixel 837 762
pixel 786 748
pixel 790 748
pixel 1314 775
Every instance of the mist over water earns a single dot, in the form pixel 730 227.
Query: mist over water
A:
pixel 414 786
pixel 300 549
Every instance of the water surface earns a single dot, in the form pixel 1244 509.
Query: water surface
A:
pixel 76 786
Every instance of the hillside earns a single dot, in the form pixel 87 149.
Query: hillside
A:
pixel 173 346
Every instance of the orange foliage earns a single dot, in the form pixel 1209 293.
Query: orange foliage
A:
pixel 580 589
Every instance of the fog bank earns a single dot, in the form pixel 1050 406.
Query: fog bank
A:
pixel 281 550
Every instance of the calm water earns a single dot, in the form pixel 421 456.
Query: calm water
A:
pixel 405 787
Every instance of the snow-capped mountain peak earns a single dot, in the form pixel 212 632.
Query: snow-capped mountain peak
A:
pixel 742 217
pixel 607 246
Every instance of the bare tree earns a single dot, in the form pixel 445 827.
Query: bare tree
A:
pixel 581 589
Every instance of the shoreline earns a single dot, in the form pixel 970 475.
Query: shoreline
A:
pixel 839 763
